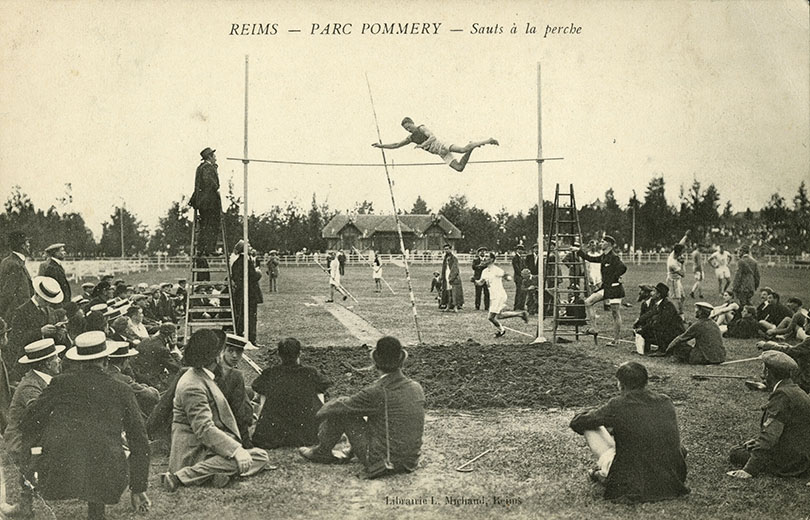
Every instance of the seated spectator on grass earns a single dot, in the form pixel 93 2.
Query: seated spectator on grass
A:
pixel 782 447
pixel 661 323
pixel 231 381
pixel 293 394
pixel 708 348
pixel 136 330
pixel 643 461
pixel 726 312
pixel 206 446
pixel 95 319
pixel 158 307
pixel 385 443
pixel 792 327
pixel 800 354
pixel 81 418
pixel 764 302
pixel 774 313
pixel 119 369
pixel 155 362
pixel 42 361
pixel 746 327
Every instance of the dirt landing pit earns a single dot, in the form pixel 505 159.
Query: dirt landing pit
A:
pixel 472 376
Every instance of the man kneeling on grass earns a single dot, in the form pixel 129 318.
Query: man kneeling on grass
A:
pixel 643 461
pixel 390 439
pixel 708 348
pixel 782 447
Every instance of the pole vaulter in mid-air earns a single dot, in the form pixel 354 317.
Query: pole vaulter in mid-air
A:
pixel 424 139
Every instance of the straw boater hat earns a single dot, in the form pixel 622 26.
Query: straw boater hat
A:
pixel 41 349
pixel 54 247
pixel 48 289
pixel 99 307
pixel 704 305
pixel 232 340
pixel 91 345
pixel 389 354
pixel 122 349
pixel 88 285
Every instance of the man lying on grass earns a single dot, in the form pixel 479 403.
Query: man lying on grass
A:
pixel 643 461
pixel 390 440
pixel 782 447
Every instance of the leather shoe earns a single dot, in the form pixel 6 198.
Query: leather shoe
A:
pixel 313 454
pixel 170 482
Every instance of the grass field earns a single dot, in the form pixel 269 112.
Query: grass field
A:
pixel 486 393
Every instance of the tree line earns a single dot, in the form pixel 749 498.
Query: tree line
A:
pixel 780 227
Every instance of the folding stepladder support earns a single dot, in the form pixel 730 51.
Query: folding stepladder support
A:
pixel 573 287
pixel 208 272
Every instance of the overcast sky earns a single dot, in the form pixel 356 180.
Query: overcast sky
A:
pixel 119 98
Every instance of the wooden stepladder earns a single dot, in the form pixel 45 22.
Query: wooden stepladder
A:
pixel 208 301
pixel 565 273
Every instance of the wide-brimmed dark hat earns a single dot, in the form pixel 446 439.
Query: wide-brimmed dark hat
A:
pixel 389 354
pixel 662 288
pixel 206 152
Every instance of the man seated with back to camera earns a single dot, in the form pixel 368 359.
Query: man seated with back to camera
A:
pixel 390 441
pixel 294 394
pixel 643 460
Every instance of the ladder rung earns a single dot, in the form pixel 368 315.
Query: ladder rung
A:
pixel 223 296
pixel 208 283
pixel 208 323
pixel 210 308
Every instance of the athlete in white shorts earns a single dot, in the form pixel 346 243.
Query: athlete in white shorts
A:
pixel 720 260
pixel 424 139
pixel 493 277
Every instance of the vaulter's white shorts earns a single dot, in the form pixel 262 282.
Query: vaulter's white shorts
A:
pixel 497 304
pixel 722 272
pixel 437 147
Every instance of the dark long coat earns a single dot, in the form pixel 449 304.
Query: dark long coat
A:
pixel 15 285
pixel 206 189
pixel 288 415
pixel 79 419
pixel 649 464
pixel 53 269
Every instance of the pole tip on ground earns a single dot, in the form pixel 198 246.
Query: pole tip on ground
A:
pixel 538 340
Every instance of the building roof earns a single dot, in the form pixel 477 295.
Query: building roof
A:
pixel 368 225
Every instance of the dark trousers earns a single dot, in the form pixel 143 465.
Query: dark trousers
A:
pixel 739 455
pixel 744 297
pixel 479 291
pixel 209 228
pixel 240 319
pixel 354 426
pixel 520 295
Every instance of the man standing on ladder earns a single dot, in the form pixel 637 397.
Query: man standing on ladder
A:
pixel 612 269
pixel 207 202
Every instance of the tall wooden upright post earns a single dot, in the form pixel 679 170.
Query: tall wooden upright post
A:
pixel 540 255
pixel 246 248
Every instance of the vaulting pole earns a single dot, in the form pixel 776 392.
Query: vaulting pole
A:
pixel 396 218
pixel 540 256
pixel 246 248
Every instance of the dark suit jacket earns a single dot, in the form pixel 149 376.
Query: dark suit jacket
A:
pixel 649 463
pixel 406 419
pixel 162 310
pixel 27 391
pixel 154 363
pixel 237 275
pixel 288 415
pixel 146 395
pixel 783 444
pixel 79 419
pixel 661 323
pixel 52 269
pixel 15 285
pixel 612 269
pixel 746 279
pixel 206 188
pixel 26 327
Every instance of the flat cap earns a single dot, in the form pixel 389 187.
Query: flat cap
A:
pixel 778 360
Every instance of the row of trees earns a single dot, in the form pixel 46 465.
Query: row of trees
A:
pixel 780 227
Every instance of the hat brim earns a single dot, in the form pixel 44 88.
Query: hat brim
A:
pixel 403 356
pixel 131 352
pixel 58 298
pixel 73 353
pixel 58 349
